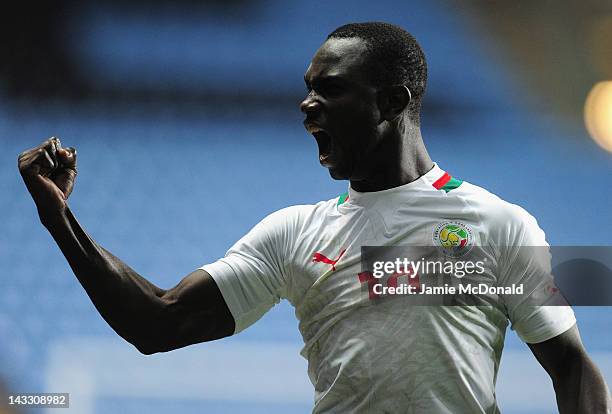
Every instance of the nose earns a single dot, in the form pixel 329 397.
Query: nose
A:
pixel 310 103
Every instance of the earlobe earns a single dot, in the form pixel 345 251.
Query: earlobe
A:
pixel 397 98
pixel 409 94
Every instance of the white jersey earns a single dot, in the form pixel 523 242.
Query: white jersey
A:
pixel 376 356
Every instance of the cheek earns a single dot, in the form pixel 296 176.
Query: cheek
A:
pixel 360 119
pixel 356 125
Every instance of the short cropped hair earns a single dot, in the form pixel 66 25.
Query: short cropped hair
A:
pixel 394 58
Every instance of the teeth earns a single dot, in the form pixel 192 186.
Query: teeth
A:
pixel 314 129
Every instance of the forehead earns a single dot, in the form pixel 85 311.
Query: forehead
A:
pixel 339 57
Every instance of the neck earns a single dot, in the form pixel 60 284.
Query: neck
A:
pixel 400 158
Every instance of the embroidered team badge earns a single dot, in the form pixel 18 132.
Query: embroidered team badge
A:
pixel 454 238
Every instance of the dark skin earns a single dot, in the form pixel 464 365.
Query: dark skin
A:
pixel 364 134
pixel 372 142
pixel 150 318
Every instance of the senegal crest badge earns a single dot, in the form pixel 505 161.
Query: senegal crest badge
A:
pixel 454 238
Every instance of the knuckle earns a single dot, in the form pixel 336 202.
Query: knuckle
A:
pixel 49 144
pixel 25 168
pixel 23 163
pixel 26 153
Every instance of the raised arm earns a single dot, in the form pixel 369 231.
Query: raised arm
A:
pixel 578 383
pixel 150 318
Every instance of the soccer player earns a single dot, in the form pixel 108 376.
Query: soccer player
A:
pixel 365 354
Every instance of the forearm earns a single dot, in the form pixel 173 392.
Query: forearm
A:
pixel 128 302
pixel 582 388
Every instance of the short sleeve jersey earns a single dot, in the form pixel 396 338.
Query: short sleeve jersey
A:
pixel 376 356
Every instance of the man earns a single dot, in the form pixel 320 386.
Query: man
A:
pixel 365 86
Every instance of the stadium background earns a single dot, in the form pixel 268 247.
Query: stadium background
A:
pixel 186 119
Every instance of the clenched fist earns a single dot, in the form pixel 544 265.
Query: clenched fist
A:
pixel 49 172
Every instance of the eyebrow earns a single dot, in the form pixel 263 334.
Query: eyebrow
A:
pixel 326 78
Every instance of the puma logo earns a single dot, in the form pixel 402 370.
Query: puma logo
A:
pixel 320 257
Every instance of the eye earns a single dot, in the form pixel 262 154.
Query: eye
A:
pixel 326 89
pixel 333 90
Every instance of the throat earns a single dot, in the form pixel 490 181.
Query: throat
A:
pixel 389 174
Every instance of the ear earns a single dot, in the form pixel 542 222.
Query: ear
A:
pixel 392 101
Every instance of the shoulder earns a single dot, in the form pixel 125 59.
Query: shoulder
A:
pixel 290 221
pixel 301 212
pixel 505 222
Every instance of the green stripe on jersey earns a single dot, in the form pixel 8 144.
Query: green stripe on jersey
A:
pixel 342 198
pixel 451 184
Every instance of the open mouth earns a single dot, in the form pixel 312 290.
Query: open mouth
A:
pixel 325 145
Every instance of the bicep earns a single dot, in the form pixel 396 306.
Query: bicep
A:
pixel 195 311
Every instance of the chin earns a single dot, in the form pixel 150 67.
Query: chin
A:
pixel 338 173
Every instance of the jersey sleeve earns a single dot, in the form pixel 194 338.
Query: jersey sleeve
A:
pixel 252 276
pixel 540 313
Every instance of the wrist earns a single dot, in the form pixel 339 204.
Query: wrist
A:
pixel 51 218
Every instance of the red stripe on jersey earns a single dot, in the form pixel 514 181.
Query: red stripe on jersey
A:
pixel 439 183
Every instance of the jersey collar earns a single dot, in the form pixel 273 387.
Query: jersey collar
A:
pixel 434 179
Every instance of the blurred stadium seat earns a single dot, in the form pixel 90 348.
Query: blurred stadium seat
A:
pixel 169 181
